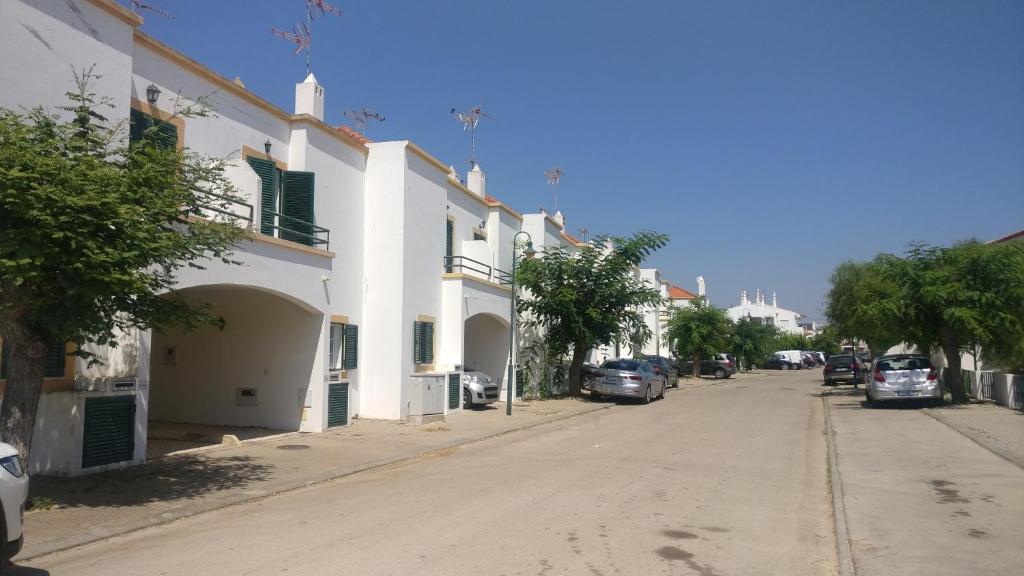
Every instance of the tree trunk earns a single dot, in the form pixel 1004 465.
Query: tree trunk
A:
pixel 954 377
pixel 26 366
pixel 696 364
pixel 579 353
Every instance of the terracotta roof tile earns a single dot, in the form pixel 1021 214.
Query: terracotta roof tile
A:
pixel 677 293
pixel 354 135
pixel 1008 237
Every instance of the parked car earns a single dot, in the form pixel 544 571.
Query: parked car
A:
pixel 902 377
pixel 808 360
pixel 795 357
pixel 478 389
pixel 843 368
pixel 821 357
pixel 721 366
pixel 591 372
pixel 780 363
pixel 13 494
pixel 666 368
pixel 628 378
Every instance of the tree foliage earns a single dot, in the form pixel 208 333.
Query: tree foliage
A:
pixel 753 341
pixel 854 286
pixel 579 300
pixel 698 331
pixel 92 232
pixel 947 298
pixel 827 341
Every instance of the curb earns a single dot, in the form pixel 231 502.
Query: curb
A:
pixel 835 484
pixel 300 485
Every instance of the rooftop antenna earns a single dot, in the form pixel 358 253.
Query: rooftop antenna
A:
pixel 583 233
pixel 469 121
pixel 359 117
pixel 554 175
pixel 140 5
pixel 302 33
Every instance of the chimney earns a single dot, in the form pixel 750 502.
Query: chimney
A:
pixel 309 98
pixel 775 300
pixel 700 286
pixel 560 219
pixel 743 297
pixel 476 181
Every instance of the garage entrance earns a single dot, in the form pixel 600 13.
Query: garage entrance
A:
pixel 244 377
pixel 485 345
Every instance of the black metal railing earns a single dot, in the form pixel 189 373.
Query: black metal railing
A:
pixel 462 264
pixel 228 206
pixel 297 230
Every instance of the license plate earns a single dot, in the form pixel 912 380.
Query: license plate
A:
pixel 613 379
pixel 842 369
pixel 907 393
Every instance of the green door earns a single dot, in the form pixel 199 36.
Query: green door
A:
pixel 454 390
pixel 337 404
pixel 109 435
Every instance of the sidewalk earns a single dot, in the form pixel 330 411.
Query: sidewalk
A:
pixel 89 508
pixel 997 428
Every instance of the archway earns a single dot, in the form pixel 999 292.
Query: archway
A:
pixel 485 345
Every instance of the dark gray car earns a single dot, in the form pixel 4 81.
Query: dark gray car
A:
pixel 666 368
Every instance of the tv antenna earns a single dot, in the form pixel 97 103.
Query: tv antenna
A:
pixel 469 121
pixel 302 33
pixel 583 233
pixel 140 5
pixel 360 117
pixel 553 175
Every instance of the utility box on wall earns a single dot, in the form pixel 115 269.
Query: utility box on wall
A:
pixel 425 398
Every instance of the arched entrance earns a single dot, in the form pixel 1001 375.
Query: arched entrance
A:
pixel 252 371
pixel 485 345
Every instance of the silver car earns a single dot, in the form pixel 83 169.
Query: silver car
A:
pixel 628 378
pixel 902 377
pixel 478 389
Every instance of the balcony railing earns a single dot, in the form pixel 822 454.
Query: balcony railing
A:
pixel 230 209
pixel 296 230
pixel 464 265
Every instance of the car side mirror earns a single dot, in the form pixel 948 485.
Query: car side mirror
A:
pixel 657 370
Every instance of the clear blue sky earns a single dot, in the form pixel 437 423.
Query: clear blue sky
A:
pixel 771 140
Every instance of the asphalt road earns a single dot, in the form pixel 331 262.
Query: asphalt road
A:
pixel 720 478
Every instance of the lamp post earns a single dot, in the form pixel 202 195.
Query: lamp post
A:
pixel 529 252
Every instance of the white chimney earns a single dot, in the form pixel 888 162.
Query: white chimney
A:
pixel 560 219
pixel 743 297
pixel 476 181
pixel 700 286
pixel 309 98
pixel 775 300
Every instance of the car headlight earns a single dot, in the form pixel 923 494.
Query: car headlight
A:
pixel 12 465
pixel 469 379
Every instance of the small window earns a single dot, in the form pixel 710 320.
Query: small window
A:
pixel 423 342
pixel 56 360
pixel 478 235
pixel 344 347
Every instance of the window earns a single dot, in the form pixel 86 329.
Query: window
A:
pixel 56 358
pixel 165 134
pixel 449 245
pixel 344 347
pixel 423 342
pixel 286 201
pixel 478 235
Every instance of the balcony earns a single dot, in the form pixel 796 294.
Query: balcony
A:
pixel 219 208
pixel 476 269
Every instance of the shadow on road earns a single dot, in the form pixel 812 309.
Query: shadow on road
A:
pixel 15 570
pixel 169 479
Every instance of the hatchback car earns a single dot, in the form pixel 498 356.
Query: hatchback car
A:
pixel 478 389
pixel 721 366
pixel 666 368
pixel 843 368
pixel 902 377
pixel 13 494
pixel 628 378
pixel 780 363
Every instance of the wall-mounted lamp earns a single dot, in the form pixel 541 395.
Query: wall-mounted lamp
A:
pixel 152 94
pixel 483 224
pixel 266 147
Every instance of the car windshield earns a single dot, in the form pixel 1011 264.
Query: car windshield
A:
pixel 891 364
pixel 835 360
pixel 632 365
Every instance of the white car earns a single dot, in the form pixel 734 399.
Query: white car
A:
pixel 478 389
pixel 13 494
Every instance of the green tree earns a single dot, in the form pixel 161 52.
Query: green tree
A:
pixel 952 298
pixel 699 330
pixel 92 231
pixel 861 304
pixel 827 341
pixel 580 300
pixel 790 341
pixel 752 341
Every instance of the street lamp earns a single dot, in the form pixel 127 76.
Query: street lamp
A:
pixel 528 253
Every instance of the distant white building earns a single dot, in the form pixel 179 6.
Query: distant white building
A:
pixel 783 319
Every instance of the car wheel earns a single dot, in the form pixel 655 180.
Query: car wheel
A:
pixel 663 386
pixel 647 395
pixel 720 373
pixel 785 366
pixel 467 399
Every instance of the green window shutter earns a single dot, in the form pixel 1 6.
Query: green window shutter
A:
pixel 337 404
pixel 54 366
pixel 108 434
pixel 267 171
pixel 417 342
pixel 428 343
pixel 351 346
pixel 165 136
pixel 139 122
pixel 454 389
pixel 297 202
pixel 449 245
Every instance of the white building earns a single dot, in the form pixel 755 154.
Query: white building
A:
pixel 380 276
pixel 758 309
